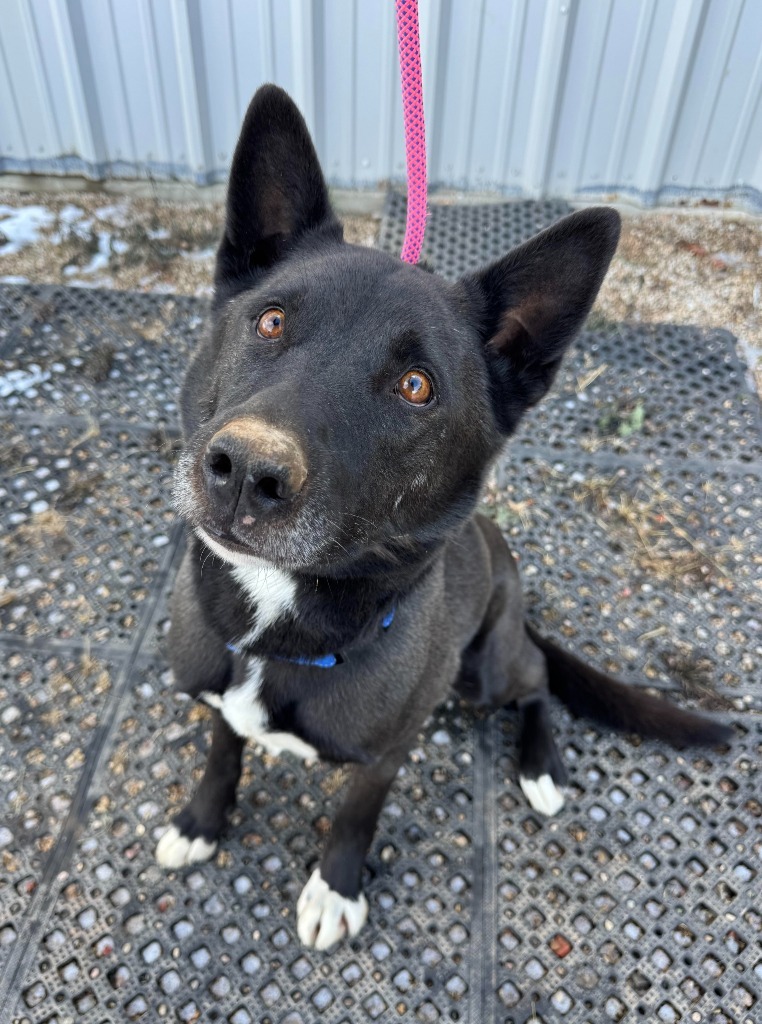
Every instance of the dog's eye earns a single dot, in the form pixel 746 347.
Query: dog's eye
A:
pixel 415 387
pixel 270 324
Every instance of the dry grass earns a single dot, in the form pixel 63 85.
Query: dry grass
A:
pixel 148 245
pixel 91 676
pixel 658 533
pixel 44 529
pixel 688 269
pixel 696 674
pixel 657 530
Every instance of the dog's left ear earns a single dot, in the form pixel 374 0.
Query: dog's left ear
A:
pixel 276 191
pixel 530 304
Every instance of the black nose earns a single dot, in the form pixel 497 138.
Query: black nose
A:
pixel 245 475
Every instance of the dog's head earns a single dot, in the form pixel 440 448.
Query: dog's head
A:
pixel 346 406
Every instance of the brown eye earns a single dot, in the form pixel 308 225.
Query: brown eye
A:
pixel 415 387
pixel 270 324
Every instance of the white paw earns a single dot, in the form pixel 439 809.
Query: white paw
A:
pixel 214 700
pixel 323 917
pixel 174 850
pixel 543 794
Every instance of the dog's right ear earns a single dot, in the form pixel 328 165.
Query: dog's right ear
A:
pixel 276 191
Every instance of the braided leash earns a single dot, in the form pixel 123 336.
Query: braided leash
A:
pixel 415 132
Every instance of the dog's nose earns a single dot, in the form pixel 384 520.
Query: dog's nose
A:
pixel 252 468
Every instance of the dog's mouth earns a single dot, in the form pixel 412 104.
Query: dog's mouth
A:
pixel 222 544
pixel 296 545
pixel 226 539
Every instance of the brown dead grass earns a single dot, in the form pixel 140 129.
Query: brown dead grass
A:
pixel 658 531
pixel 689 269
pixel 154 245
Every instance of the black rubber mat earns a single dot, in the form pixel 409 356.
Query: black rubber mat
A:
pixel 461 237
pixel 632 498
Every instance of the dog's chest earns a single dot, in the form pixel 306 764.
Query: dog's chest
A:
pixel 242 708
pixel 270 595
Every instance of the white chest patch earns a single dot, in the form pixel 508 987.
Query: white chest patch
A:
pixel 270 594
pixel 244 712
pixel 269 591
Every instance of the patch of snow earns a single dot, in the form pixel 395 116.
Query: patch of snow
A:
pixel 101 257
pixel 99 260
pixel 22 225
pixel 72 221
pixel 117 214
pixel 95 282
pixel 70 213
pixel 200 254
pixel 22 381
pixel 14 279
pixel 159 233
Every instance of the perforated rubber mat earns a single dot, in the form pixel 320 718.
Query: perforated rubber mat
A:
pixel 632 498
pixel 461 237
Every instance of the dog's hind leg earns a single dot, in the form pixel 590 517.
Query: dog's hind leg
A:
pixel 503 665
pixel 193 834
pixel 541 771
pixel 332 904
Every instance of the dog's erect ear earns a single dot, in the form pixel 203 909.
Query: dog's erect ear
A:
pixel 276 190
pixel 532 302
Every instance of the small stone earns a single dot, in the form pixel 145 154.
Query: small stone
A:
pixel 560 945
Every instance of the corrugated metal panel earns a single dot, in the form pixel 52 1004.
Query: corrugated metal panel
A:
pixel 652 99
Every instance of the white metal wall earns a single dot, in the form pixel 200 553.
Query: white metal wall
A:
pixel 653 99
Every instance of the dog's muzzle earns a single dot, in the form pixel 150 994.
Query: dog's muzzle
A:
pixel 252 470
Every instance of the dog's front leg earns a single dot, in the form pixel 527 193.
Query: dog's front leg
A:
pixel 193 834
pixel 332 904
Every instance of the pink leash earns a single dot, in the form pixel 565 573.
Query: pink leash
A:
pixel 415 131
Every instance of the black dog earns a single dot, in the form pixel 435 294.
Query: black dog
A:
pixel 339 423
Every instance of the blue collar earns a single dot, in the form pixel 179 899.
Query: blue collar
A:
pixel 322 660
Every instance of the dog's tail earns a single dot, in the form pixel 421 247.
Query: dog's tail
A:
pixel 592 694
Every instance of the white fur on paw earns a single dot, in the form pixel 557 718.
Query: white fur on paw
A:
pixel 174 850
pixel 323 917
pixel 543 794
pixel 214 700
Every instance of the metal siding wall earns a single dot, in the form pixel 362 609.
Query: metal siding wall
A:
pixel 647 98
pixel 33 130
pixel 712 127
pixel 49 27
